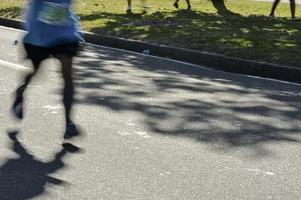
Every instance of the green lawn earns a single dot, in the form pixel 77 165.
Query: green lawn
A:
pixel 240 30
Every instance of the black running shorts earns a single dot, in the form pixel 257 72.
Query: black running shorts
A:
pixel 41 53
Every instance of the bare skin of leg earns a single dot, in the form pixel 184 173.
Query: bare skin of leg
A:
pixel 68 92
pixel 275 4
pixel 129 4
pixel 293 9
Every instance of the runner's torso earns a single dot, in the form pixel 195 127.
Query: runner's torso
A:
pixel 50 23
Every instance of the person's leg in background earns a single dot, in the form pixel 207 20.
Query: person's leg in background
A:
pixel 188 4
pixel 275 4
pixel 176 4
pixel 293 9
pixel 129 8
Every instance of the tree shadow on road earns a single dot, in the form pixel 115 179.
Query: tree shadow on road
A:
pixel 222 110
pixel 26 177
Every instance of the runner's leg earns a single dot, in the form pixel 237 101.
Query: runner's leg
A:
pixel 68 92
pixel 36 60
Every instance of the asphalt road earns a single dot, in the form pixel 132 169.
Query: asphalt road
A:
pixel 154 129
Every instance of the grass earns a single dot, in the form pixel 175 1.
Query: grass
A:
pixel 240 29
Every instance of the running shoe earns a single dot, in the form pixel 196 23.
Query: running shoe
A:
pixel 71 148
pixel 17 107
pixel 71 131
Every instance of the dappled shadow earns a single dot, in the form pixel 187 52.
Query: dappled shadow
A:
pixel 223 110
pixel 11 12
pixel 228 33
pixel 25 177
pixel 252 37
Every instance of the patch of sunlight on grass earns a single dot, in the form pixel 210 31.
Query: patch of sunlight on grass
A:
pixel 244 30
pixel 268 29
pixel 213 28
pixel 248 34
pixel 282 45
pixel 237 42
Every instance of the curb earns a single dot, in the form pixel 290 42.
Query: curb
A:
pixel 210 60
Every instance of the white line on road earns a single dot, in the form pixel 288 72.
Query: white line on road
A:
pixel 190 64
pixel 13 65
pixel 12 29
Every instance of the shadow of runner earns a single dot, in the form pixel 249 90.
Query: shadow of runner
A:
pixel 25 177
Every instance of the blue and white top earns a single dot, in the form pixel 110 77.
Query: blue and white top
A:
pixel 50 23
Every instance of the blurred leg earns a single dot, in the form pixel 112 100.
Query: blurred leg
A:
pixel 175 4
pixel 28 77
pixel 36 59
pixel 68 92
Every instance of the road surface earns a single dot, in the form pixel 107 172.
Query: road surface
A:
pixel 154 129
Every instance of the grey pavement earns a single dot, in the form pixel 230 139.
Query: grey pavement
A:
pixel 154 129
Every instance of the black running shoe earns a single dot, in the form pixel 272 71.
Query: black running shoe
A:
pixel 71 131
pixel 71 148
pixel 13 135
pixel 17 107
